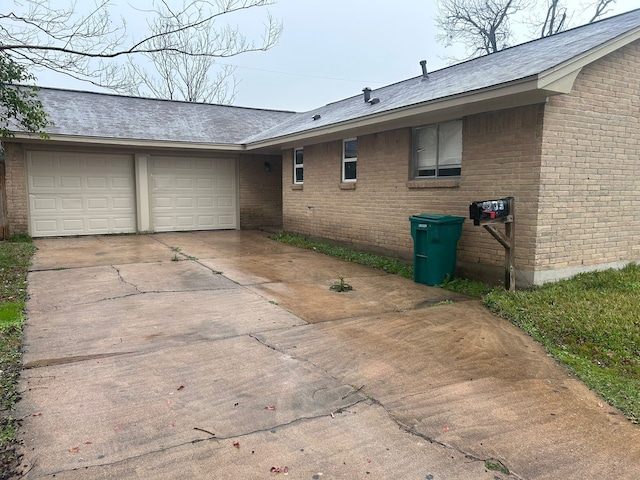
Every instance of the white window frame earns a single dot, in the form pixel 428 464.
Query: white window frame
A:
pixel 346 160
pixel 440 171
pixel 298 166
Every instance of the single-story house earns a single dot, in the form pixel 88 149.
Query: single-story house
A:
pixel 554 122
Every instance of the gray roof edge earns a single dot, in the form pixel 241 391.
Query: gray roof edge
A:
pixel 152 99
pixel 625 37
pixel 119 141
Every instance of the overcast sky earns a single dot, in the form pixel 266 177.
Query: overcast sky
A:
pixel 332 49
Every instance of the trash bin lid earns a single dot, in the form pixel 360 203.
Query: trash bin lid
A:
pixel 436 218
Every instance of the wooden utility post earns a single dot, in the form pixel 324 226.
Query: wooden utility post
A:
pixel 489 213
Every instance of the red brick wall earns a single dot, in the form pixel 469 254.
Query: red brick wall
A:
pixel 260 191
pixel 591 168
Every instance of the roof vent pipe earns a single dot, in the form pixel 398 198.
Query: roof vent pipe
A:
pixel 423 64
pixel 367 94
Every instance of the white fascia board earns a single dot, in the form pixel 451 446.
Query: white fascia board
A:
pixel 517 88
pixel 559 77
pixel 132 143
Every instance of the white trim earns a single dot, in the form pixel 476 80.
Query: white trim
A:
pixel 143 208
pixel 297 166
pixel 126 142
pixel 349 160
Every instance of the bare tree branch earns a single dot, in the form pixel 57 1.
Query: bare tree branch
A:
pixel 485 26
pixel 84 42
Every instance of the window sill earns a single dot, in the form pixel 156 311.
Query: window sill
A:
pixel 348 186
pixel 296 186
pixel 434 183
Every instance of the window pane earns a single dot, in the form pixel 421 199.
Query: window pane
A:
pixel 449 172
pixel 299 156
pixel 351 149
pixel 426 151
pixel 299 175
pixel 450 144
pixel 350 170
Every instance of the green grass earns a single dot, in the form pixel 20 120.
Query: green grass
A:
pixel 389 265
pixel 15 258
pixel 590 323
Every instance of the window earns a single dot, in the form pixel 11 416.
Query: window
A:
pixel 298 166
pixel 437 150
pixel 349 159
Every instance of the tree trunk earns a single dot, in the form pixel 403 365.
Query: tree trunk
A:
pixel 4 227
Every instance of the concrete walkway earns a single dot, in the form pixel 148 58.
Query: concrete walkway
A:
pixel 238 362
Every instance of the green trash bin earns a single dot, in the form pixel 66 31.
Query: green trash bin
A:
pixel 435 241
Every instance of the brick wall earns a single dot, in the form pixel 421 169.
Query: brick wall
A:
pixel 16 184
pixel 591 168
pixel 260 191
pixel 500 158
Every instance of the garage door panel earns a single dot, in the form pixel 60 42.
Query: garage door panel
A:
pixel 97 183
pixel 184 183
pixel 204 184
pixel 226 221
pixel 42 182
pixel 80 194
pixel 193 193
pixel 98 204
pixel 70 183
pixel 205 202
pixel 71 204
pixel 72 161
pixel 225 202
pixel 50 226
pixel 225 183
pixel 43 204
pixel 122 183
pixel 123 203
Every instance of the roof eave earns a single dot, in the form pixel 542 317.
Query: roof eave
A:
pixel 125 142
pixel 560 74
pixel 522 92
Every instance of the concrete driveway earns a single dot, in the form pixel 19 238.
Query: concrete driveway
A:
pixel 225 355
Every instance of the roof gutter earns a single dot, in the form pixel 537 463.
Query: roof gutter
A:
pixel 556 76
pixel 535 89
pixel 132 143
pixel 487 99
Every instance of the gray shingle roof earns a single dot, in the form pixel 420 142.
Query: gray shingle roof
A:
pixel 98 115
pixel 509 65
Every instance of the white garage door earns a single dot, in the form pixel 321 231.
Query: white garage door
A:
pixel 80 194
pixel 193 193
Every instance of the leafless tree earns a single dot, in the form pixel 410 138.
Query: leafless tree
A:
pixel 486 26
pixel 482 26
pixel 84 41
pixel 555 20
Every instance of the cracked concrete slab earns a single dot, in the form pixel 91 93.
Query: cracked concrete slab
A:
pixel 370 295
pixel 464 378
pixel 358 443
pixel 134 404
pixel 149 321
pixel 136 362
pixel 74 287
pixel 174 276
pixel 76 252
pixel 290 267
pixel 229 243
